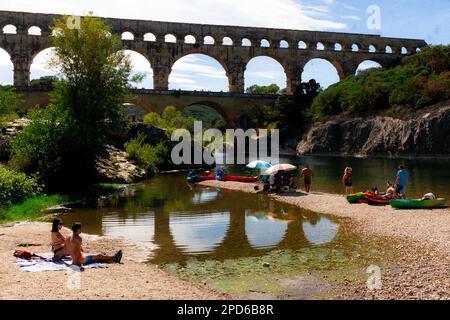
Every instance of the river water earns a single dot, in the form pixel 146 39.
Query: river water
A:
pixel 222 238
pixel 425 175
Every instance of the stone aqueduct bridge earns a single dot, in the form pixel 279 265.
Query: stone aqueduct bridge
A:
pixel 233 47
pixel 235 108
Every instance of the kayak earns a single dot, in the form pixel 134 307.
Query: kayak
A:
pixel 377 201
pixel 354 198
pixel 194 178
pixel 225 177
pixel 360 197
pixel 418 204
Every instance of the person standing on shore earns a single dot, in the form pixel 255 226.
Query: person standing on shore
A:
pixel 307 175
pixel 347 179
pixel 401 181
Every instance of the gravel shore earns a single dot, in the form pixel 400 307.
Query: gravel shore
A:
pixel 424 236
pixel 132 279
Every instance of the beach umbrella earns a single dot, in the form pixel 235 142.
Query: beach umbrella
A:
pixel 259 164
pixel 280 167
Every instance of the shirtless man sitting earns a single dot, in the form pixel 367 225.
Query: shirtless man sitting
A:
pixel 73 245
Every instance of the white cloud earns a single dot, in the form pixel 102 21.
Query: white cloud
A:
pixel 180 79
pixel 351 17
pixel 348 7
pixel 258 13
pixel 210 71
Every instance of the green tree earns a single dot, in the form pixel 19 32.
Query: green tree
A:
pixel 290 113
pixel 270 89
pixel 8 101
pixel 169 120
pixel 86 104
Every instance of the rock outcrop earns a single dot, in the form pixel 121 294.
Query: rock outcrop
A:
pixel 117 168
pixel 425 133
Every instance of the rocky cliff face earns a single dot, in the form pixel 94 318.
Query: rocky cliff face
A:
pixel 425 133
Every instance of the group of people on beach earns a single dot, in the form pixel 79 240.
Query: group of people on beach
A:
pixel 394 191
pixel 283 181
pixel 72 246
pixel 280 182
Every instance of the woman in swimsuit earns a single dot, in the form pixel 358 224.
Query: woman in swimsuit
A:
pixel 58 240
pixel 347 179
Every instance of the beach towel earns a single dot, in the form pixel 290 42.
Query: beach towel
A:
pixel 47 264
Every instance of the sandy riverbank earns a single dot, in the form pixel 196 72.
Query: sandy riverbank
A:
pixel 424 237
pixel 132 279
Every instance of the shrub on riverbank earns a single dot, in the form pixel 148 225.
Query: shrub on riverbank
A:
pixel 31 208
pixel 422 80
pixel 8 102
pixel 16 187
pixel 150 157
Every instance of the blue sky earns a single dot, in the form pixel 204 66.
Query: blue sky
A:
pixel 429 20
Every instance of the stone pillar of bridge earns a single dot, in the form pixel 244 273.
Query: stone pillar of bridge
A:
pixel 22 65
pixel 349 68
pixel 161 77
pixel 293 77
pixel 236 70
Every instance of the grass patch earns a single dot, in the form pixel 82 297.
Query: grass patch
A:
pixel 31 208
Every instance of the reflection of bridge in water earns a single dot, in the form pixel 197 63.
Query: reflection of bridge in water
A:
pixel 207 225
pixel 236 241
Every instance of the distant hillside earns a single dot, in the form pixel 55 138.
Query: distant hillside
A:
pixel 210 117
pixel 422 80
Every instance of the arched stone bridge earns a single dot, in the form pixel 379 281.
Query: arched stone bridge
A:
pixel 163 43
pixel 232 46
pixel 235 108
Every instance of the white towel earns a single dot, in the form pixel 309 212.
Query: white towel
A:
pixel 47 264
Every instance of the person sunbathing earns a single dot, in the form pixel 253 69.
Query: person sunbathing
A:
pixel 73 245
pixel 58 240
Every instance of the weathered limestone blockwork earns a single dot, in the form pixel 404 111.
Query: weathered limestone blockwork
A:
pixel 23 47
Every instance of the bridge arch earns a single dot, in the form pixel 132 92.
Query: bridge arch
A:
pixel 127 35
pixel 35 31
pixel 302 45
pixel 209 40
pixel 148 36
pixel 38 67
pixel 246 42
pixel 227 41
pixel 220 61
pixel 279 64
pixel 142 65
pixel 190 39
pixel 6 68
pixel 333 74
pixel 368 64
pixel 170 38
pixel 265 43
pixel 9 29
pixel 218 109
pixel 284 44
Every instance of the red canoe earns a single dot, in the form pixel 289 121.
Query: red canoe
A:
pixel 238 178
pixel 378 201
pixel 194 179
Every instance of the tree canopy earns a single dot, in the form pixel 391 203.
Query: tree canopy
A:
pixel 64 141
pixel 270 89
